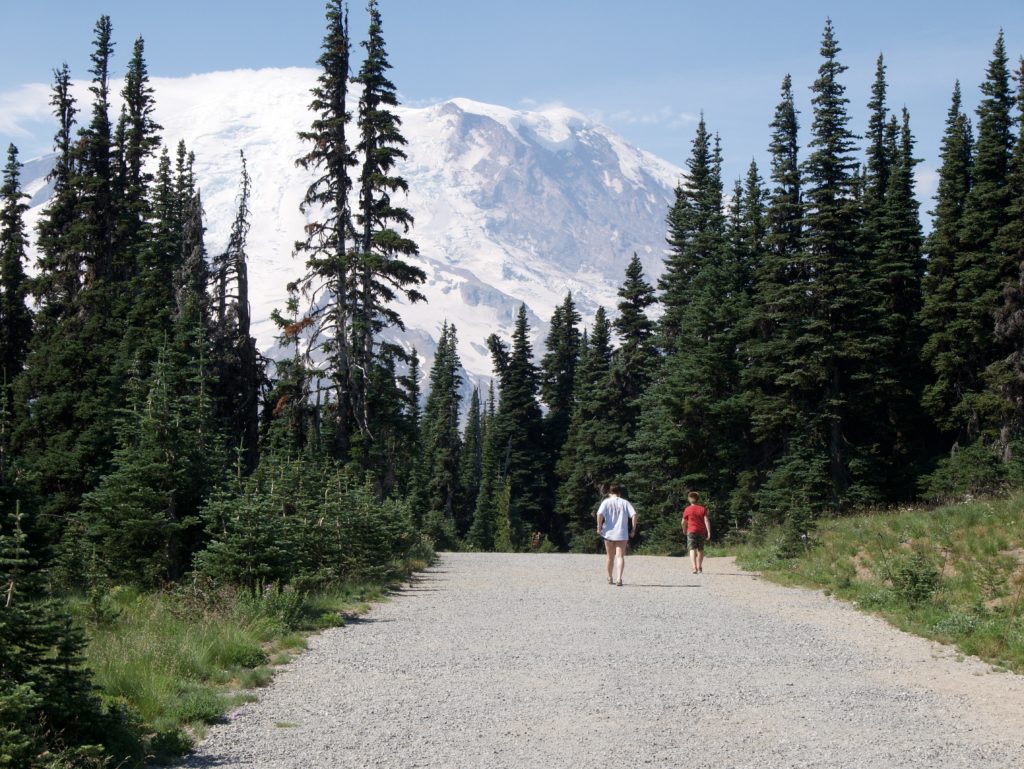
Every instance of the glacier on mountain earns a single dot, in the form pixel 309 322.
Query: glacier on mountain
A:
pixel 510 206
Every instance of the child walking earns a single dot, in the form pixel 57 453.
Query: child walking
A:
pixel 698 529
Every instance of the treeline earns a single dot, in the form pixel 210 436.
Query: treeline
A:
pixel 812 351
pixel 143 437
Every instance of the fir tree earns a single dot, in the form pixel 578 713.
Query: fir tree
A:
pixel 330 241
pixel 50 707
pixel 1005 377
pixel 636 358
pixel 690 427
pixel 831 350
pixel 696 224
pixel 897 269
pixel 778 295
pixel 74 376
pixel 471 459
pixel 60 263
pixel 939 319
pixel 381 272
pixel 95 146
pixel 519 432
pixel 441 444
pixel 15 317
pixel 139 141
pixel 981 270
pixel 557 381
pixel 236 363
pixel 482 531
pixel 593 455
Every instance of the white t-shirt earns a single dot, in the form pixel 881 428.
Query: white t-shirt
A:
pixel 615 513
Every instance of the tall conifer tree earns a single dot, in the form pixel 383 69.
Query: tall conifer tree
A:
pixel 636 358
pixel 330 239
pixel 519 432
pixel 15 317
pixel 594 451
pixel 382 274
pixel 939 318
pixel 441 443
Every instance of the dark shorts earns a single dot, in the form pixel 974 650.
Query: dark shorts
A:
pixel 694 541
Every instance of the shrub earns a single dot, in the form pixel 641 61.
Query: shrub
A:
pixel 915 578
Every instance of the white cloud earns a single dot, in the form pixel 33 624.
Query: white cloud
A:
pixel 22 106
pixel 666 116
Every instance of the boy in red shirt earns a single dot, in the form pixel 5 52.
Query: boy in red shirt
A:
pixel 698 529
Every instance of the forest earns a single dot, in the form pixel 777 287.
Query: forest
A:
pixel 806 352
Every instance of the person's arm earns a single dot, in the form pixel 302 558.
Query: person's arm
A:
pixel 633 521
pixel 707 524
pixel 600 517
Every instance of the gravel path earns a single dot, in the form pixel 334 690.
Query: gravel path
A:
pixel 533 661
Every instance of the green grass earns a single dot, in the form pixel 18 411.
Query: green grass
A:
pixel 954 574
pixel 180 660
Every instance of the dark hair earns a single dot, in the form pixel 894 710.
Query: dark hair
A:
pixel 613 488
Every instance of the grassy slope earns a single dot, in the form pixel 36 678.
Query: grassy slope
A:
pixel 177 661
pixel 954 574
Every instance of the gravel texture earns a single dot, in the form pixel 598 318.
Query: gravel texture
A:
pixel 493 660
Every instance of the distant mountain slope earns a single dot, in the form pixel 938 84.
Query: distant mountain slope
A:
pixel 510 206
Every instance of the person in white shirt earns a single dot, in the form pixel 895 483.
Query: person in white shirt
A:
pixel 616 523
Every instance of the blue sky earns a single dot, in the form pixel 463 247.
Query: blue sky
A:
pixel 645 68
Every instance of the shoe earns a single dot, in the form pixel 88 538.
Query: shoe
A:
pixel 619 583
pixel 700 570
pixel 694 571
pixel 609 580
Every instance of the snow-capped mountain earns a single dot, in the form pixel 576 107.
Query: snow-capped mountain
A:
pixel 510 206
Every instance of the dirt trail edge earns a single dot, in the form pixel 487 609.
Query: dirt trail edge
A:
pixel 493 660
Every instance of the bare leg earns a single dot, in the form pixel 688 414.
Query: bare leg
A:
pixel 700 560
pixel 693 560
pixel 620 556
pixel 609 548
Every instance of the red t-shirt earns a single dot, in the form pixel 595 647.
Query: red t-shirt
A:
pixel 694 516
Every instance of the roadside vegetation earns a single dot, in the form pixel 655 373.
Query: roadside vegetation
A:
pixel 954 574
pixel 176 661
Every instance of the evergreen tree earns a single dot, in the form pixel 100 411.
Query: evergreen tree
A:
pixel 15 317
pixel 557 380
pixel 330 245
pixel 60 263
pixel 981 270
pixel 636 358
pixel 519 433
pixel 143 517
pixel 95 148
pixel 593 455
pixel 381 272
pixel 691 430
pixel 74 375
pixel 1005 377
pixel 482 531
pixel 897 269
pixel 237 366
pixel 940 321
pixel 139 141
pixel 51 710
pixel 471 459
pixel 695 226
pixel 778 279
pixel 831 350
pixel 441 444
